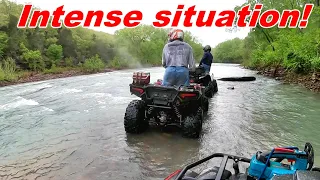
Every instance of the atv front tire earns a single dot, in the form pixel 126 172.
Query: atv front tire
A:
pixel 215 86
pixel 211 89
pixel 205 104
pixel 192 124
pixel 134 120
pixel 208 91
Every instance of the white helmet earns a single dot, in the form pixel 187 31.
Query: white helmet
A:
pixel 176 34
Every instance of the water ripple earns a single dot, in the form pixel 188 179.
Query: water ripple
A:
pixel 72 128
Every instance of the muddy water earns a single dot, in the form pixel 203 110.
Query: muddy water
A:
pixel 72 128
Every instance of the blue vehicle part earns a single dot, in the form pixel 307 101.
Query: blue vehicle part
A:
pixel 262 166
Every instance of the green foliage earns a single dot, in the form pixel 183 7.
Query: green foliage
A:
pixel 118 63
pixel 48 50
pixel 295 49
pixel 144 44
pixel 68 62
pixel 54 53
pixel 8 70
pixel 3 42
pixel 315 63
pixel 229 51
pixel 93 64
pixel 33 59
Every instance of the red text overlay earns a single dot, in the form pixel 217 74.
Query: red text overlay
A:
pixel 165 18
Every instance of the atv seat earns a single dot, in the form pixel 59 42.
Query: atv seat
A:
pixel 197 71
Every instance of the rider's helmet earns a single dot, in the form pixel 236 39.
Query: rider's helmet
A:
pixel 176 34
pixel 207 48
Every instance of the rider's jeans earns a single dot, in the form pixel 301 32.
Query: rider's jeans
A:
pixel 175 75
pixel 206 67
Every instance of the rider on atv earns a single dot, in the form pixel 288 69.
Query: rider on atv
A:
pixel 177 57
pixel 207 59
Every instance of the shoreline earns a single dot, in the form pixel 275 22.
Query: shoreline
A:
pixel 36 77
pixel 40 76
pixel 311 80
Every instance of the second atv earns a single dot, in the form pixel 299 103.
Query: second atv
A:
pixel 182 106
pixel 200 77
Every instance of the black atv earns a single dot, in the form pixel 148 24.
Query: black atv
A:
pixel 182 106
pixel 200 77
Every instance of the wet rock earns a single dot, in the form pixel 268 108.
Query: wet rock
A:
pixel 161 169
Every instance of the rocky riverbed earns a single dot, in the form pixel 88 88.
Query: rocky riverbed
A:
pixel 310 80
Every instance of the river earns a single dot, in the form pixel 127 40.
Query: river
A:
pixel 72 128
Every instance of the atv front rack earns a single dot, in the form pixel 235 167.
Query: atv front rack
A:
pixel 222 166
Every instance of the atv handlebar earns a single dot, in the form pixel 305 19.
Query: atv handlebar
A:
pixel 222 167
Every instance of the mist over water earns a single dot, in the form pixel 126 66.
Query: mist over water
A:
pixel 72 128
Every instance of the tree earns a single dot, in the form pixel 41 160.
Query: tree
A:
pixel 292 48
pixel 38 49
pixel 54 53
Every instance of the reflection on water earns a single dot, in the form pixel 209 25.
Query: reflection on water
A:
pixel 72 128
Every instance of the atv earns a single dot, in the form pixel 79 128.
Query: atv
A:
pixel 182 106
pixel 200 77
pixel 281 163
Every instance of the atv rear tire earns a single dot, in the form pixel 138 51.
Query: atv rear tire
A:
pixel 134 119
pixel 192 124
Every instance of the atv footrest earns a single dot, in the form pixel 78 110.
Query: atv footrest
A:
pixel 166 107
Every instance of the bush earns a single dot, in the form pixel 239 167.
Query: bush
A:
pixel 68 62
pixel 56 70
pixel 33 59
pixel 93 64
pixel 8 70
pixel 54 53
pixel 315 63
pixel 3 43
pixel 118 63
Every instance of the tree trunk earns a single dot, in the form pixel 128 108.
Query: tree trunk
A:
pixel 268 38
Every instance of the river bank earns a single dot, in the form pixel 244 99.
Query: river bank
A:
pixel 26 77
pixel 310 80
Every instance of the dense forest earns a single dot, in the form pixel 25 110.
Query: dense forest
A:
pixel 294 49
pixel 55 50
pixel 230 51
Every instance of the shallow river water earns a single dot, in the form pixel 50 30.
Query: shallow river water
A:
pixel 72 128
